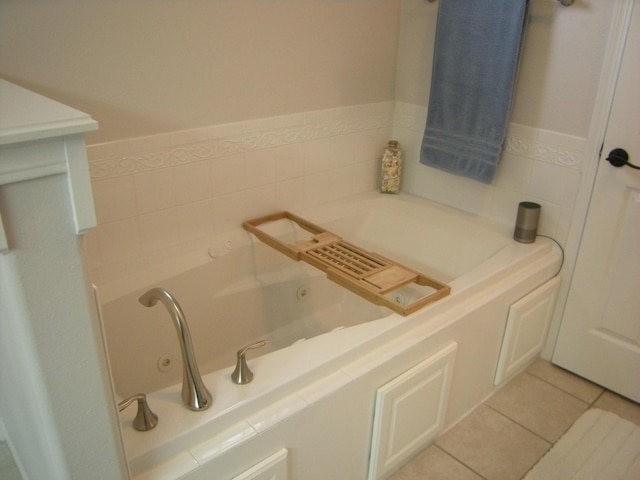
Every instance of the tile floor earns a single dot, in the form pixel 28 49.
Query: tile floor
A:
pixel 504 438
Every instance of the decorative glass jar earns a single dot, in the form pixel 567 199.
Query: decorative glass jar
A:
pixel 391 168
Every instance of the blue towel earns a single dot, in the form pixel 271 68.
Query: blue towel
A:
pixel 475 60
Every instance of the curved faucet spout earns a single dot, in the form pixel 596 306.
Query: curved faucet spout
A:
pixel 194 393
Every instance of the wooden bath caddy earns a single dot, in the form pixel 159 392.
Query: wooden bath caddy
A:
pixel 365 273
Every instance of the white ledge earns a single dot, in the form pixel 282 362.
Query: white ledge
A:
pixel 41 137
pixel 26 116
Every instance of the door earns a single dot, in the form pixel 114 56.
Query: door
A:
pixel 599 338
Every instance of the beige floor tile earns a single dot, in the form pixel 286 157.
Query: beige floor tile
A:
pixel 538 406
pixel 622 407
pixel 492 445
pixel 434 464
pixel 565 380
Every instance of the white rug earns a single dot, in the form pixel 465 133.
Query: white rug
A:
pixel 599 446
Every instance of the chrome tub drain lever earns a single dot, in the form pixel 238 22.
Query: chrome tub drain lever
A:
pixel 145 419
pixel 242 375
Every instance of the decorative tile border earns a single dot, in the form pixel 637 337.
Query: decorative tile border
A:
pixel 546 153
pixel 550 147
pixel 543 145
pixel 546 146
pixel 549 153
pixel 177 155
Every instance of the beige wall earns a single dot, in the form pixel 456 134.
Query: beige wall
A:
pixel 144 67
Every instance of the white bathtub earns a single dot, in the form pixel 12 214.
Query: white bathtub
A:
pixel 327 347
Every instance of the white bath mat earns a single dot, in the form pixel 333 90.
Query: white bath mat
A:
pixel 599 446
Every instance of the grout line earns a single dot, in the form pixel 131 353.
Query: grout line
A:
pixel 534 465
pixel 565 391
pixel 520 425
pixel 604 390
pixel 457 460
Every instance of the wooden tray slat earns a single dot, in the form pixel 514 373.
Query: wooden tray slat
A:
pixel 348 259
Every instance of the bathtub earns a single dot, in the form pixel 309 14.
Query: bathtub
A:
pixel 327 347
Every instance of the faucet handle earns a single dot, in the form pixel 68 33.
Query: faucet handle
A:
pixel 242 375
pixel 145 419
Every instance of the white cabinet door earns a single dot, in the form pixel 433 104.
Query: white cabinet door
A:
pixel 410 412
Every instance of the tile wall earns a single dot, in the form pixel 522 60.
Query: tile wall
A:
pixel 160 196
pixel 537 165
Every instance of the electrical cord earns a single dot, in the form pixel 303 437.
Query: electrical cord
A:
pixel 561 250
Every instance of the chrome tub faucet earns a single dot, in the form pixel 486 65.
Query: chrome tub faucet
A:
pixel 194 393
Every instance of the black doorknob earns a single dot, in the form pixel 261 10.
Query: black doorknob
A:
pixel 618 157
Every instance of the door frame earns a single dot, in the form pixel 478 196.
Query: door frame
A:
pixel 616 40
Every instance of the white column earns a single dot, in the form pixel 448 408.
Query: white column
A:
pixel 56 400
